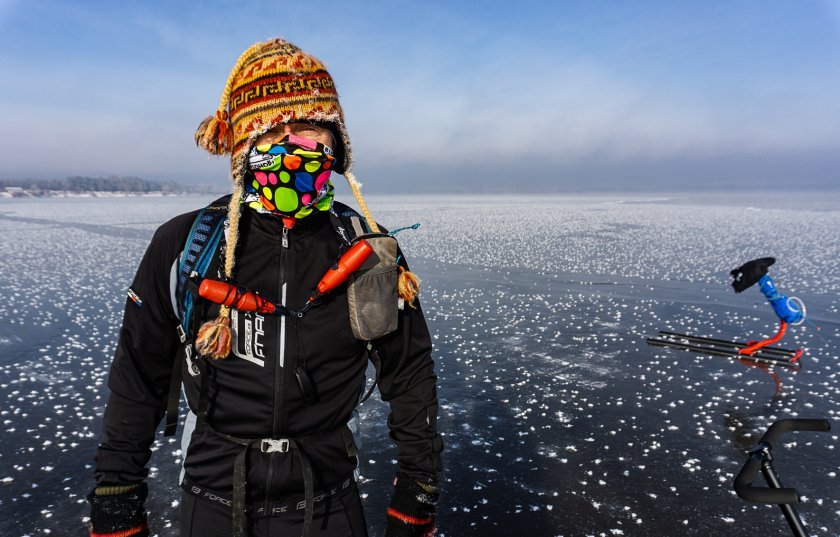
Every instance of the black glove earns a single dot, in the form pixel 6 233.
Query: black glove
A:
pixel 118 508
pixel 412 510
pixel 750 272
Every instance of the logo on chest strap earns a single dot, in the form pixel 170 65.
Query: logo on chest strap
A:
pixel 248 336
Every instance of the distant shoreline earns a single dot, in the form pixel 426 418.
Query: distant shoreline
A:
pixel 77 186
pixel 21 194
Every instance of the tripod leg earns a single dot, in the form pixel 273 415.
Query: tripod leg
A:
pixel 790 513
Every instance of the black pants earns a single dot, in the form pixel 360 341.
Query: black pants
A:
pixel 338 516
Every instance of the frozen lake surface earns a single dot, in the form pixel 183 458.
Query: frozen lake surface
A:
pixel 558 418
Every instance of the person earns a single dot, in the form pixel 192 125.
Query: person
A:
pixel 271 398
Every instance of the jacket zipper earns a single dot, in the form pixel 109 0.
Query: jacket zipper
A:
pixel 280 358
pixel 281 333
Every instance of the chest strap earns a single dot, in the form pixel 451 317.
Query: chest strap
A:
pixel 277 445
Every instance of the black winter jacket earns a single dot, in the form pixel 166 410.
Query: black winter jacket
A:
pixel 253 393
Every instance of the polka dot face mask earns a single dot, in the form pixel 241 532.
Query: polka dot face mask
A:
pixel 290 177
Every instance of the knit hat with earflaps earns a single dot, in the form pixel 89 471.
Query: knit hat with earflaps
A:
pixel 272 83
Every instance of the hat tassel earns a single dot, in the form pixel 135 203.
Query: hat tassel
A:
pixel 408 286
pixel 214 134
pixel 214 338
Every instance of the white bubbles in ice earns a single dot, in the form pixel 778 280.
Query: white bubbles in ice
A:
pixel 556 415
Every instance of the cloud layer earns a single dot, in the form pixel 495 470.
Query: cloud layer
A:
pixel 436 88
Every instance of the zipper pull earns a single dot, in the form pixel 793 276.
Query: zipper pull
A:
pixel 288 223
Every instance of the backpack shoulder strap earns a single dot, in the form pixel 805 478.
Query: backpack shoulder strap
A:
pixel 348 223
pixel 202 242
pixel 373 356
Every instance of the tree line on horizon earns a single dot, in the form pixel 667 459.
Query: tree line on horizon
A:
pixel 78 183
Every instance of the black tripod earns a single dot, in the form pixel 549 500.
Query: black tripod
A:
pixel 761 459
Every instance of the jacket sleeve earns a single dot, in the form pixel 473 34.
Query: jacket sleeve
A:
pixel 140 371
pixel 408 382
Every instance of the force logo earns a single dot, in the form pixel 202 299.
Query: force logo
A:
pixel 248 336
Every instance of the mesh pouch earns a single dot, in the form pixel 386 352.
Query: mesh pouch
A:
pixel 372 293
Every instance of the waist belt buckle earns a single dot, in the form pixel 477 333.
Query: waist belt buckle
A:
pixel 270 445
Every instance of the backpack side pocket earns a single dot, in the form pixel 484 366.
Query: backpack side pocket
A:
pixel 372 293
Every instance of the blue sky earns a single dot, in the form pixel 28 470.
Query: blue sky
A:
pixel 444 95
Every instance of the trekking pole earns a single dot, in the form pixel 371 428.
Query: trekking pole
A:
pixel 761 459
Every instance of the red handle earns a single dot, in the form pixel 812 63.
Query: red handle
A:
pixel 347 265
pixel 229 295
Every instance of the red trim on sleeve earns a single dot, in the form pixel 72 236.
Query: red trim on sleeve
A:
pixel 121 533
pixel 409 519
